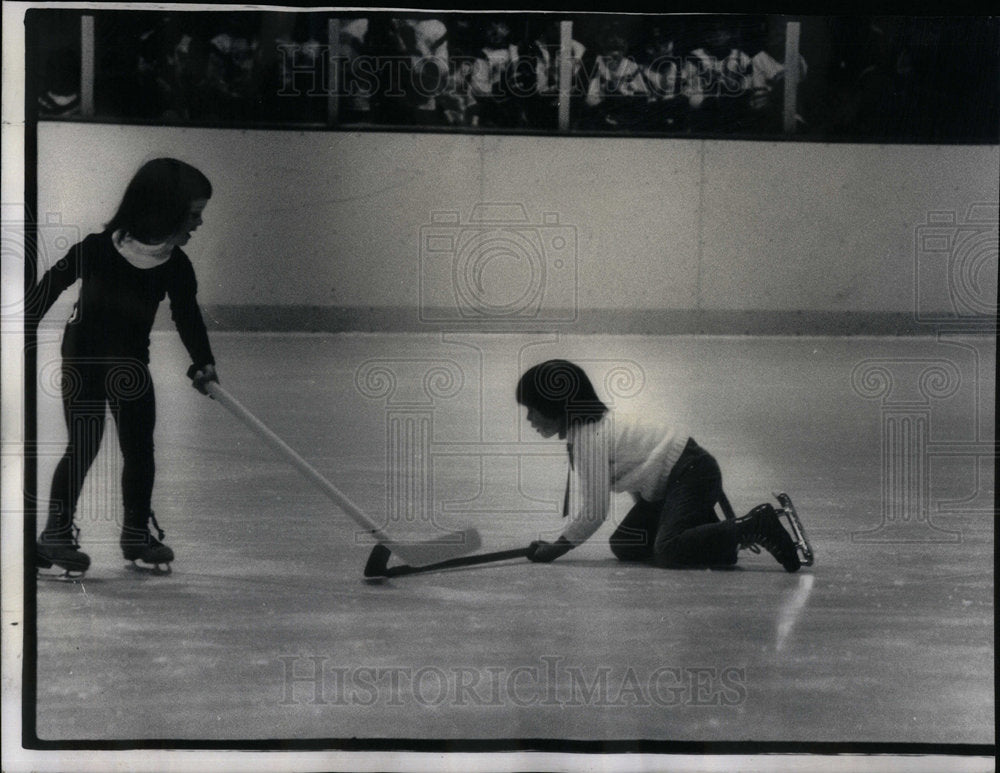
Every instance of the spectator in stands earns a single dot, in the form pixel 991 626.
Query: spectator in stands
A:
pixel 617 92
pixel 356 97
pixel 495 81
pixel 59 95
pixel 231 86
pixel 159 65
pixel 767 82
pixel 409 60
pixel 457 102
pixel 544 51
pixel 717 80
pixel 665 110
pixel 295 67
pixel 178 77
pixel 426 43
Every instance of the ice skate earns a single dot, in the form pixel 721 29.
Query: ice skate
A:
pixel 760 528
pixel 146 552
pixel 61 550
pixel 802 546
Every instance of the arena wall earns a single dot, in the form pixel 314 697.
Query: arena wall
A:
pixel 383 231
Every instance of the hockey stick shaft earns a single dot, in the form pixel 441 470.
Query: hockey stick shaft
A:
pixel 414 552
pixel 340 499
pixel 481 558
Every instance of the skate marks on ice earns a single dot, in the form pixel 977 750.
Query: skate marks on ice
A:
pixel 791 610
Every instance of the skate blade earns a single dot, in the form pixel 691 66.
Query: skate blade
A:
pixel 802 546
pixel 57 574
pixel 160 570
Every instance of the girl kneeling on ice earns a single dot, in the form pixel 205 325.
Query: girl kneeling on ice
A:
pixel 675 483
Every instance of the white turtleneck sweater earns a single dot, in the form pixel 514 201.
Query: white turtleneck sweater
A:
pixel 139 254
pixel 619 453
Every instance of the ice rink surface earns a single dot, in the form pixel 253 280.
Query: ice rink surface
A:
pixel 266 630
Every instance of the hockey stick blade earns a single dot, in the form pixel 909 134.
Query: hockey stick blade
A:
pixel 446 546
pixel 414 552
pixel 378 560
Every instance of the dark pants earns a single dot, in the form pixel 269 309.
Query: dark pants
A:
pixel 89 387
pixel 682 529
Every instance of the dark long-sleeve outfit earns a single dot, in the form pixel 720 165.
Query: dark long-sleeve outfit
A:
pixel 105 351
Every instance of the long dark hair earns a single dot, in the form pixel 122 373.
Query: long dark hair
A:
pixel 158 199
pixel 560 390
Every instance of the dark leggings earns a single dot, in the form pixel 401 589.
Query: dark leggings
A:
pixel 89 386
pixel 682 529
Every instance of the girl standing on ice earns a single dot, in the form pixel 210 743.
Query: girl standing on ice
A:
pixel 126 270
pixel 674 482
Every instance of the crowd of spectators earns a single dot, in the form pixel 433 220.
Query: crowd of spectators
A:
pixel 505 73
pixel 656 74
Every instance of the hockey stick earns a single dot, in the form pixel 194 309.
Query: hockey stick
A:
pixel 418 553
pixel 377 567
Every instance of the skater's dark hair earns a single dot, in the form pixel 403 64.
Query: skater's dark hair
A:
pixel 158 200
pixel 560 390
